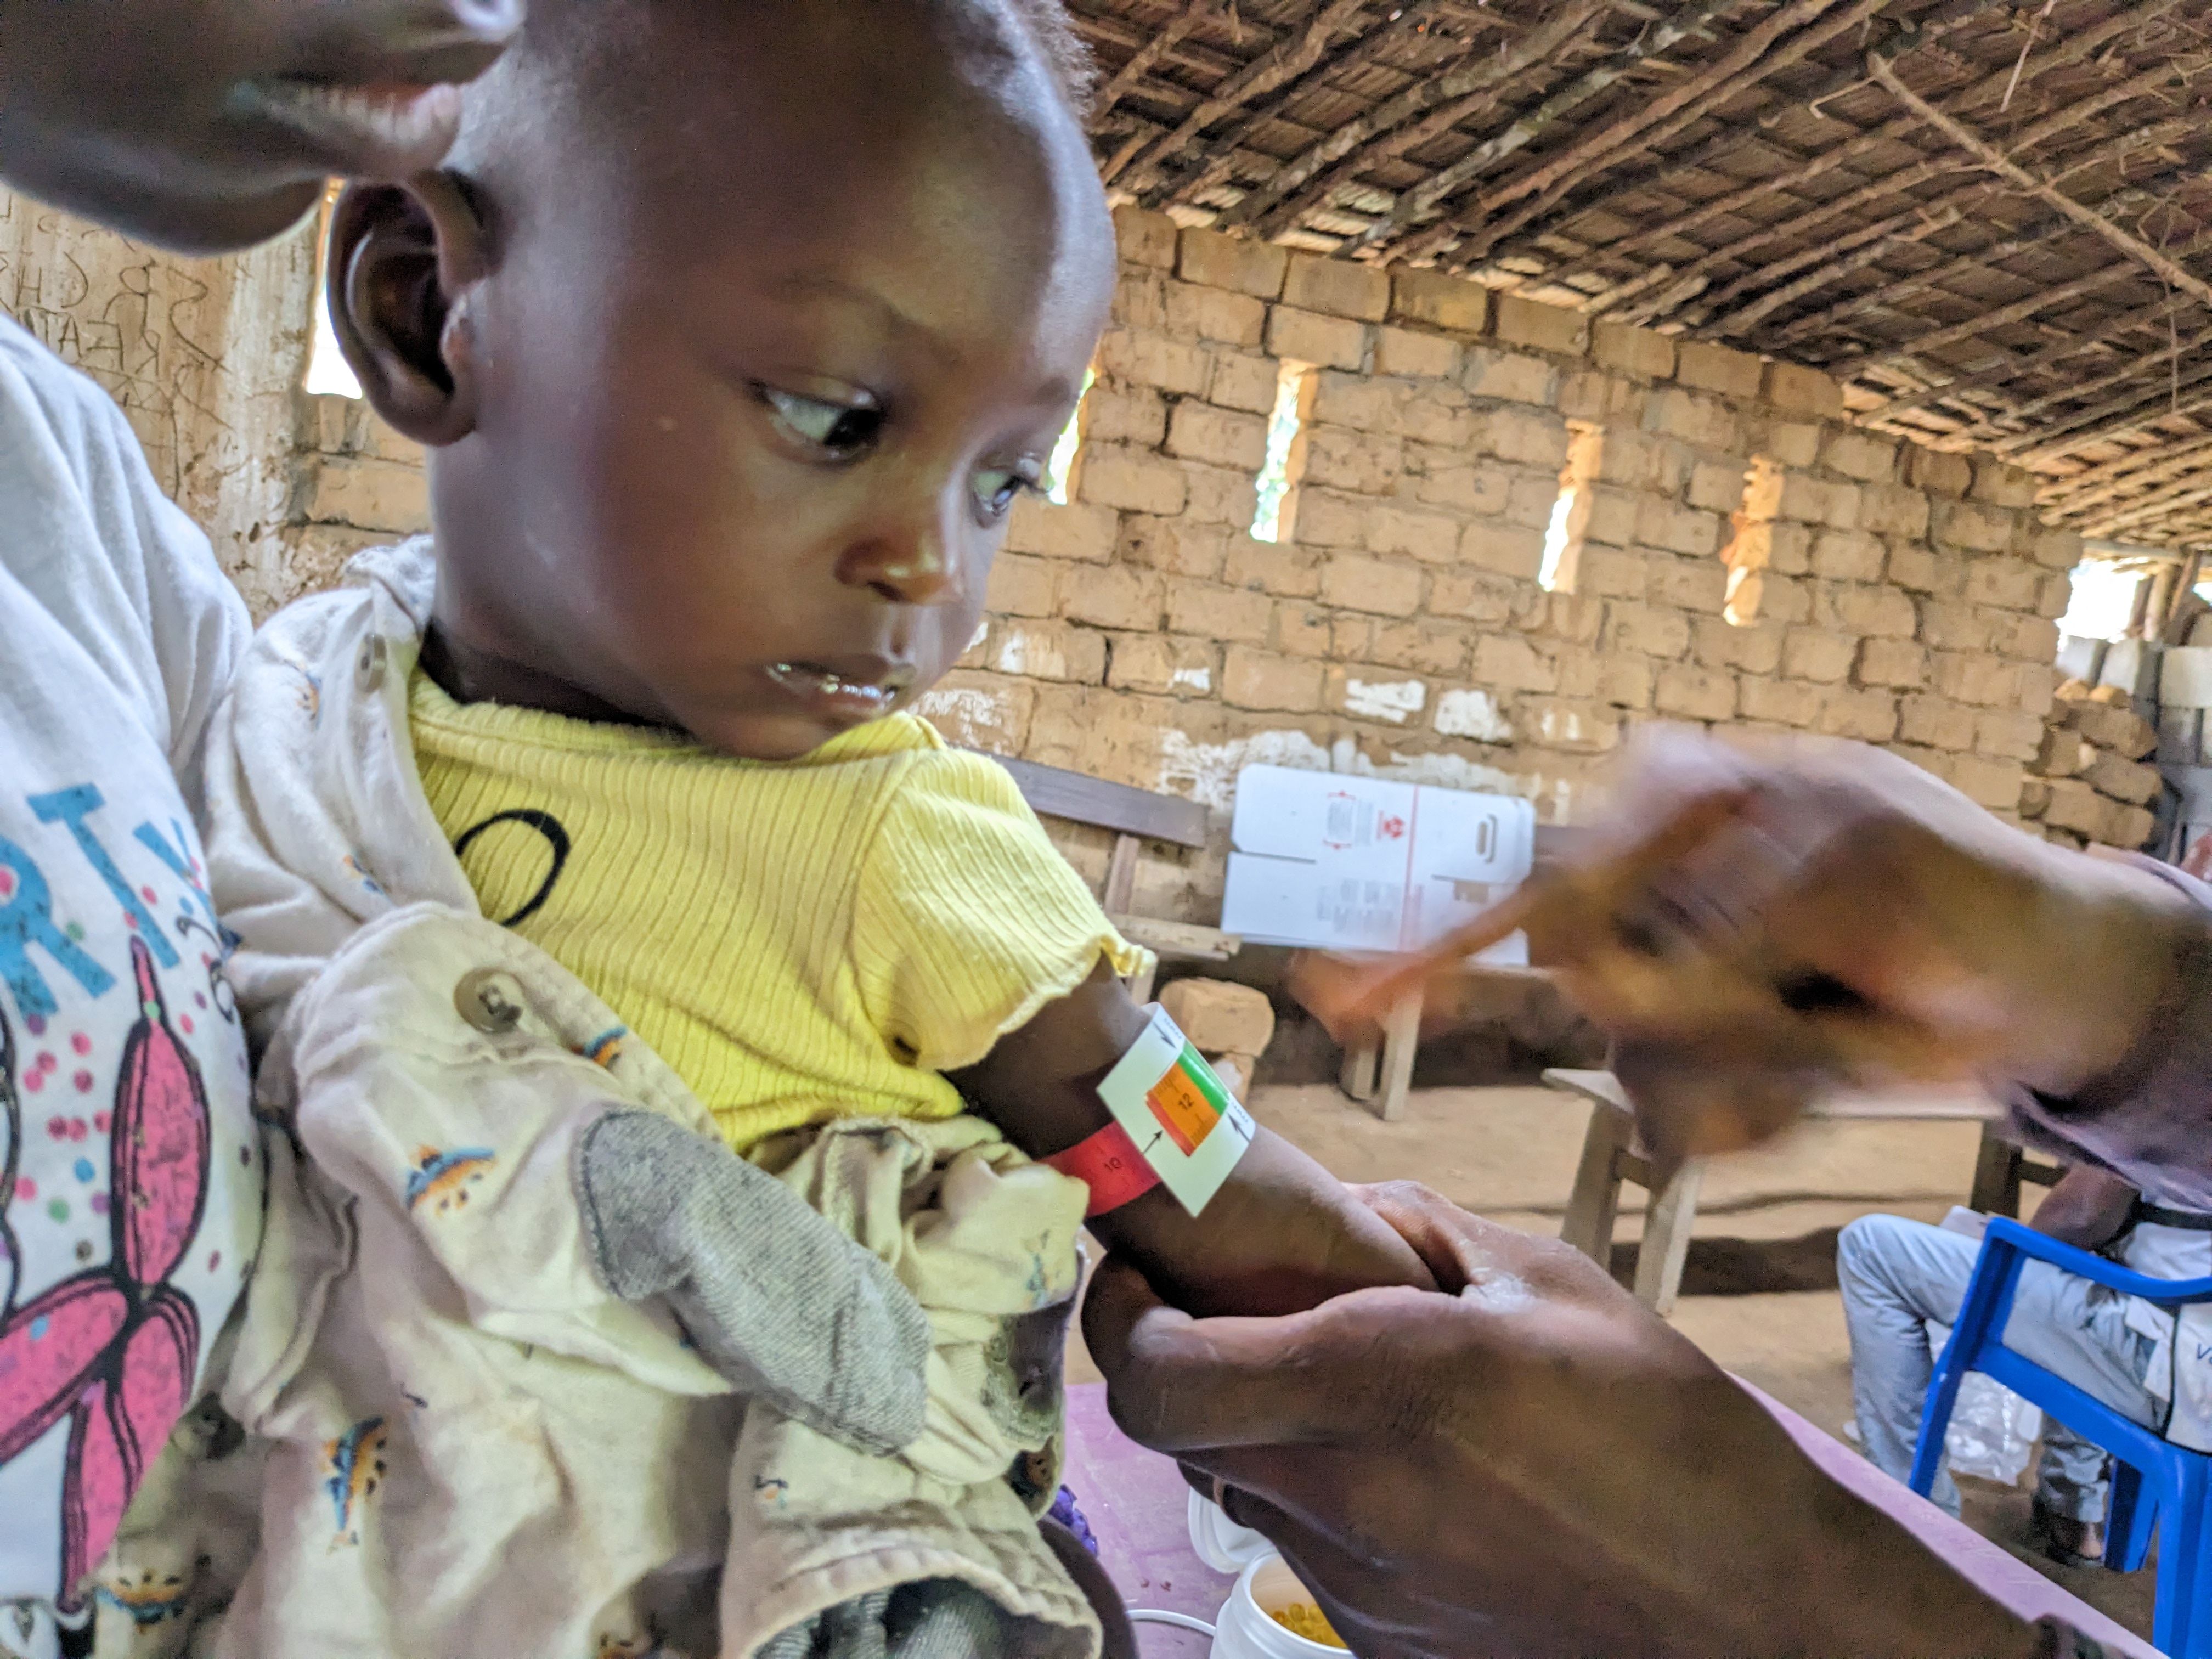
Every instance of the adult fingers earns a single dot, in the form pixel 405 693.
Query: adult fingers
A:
pixel 1179 1384
pixel 1467 1254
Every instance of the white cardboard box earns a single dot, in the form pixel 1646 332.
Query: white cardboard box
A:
pixel 1341 863
pixel 2185 677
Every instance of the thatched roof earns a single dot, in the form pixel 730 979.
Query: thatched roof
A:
pixel 1994 222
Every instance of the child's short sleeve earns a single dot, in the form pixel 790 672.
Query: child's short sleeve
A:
pixel 969 921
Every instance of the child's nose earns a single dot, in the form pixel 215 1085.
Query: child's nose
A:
pixel 918 570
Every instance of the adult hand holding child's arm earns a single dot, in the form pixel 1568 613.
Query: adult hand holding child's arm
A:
pixel 1534 1464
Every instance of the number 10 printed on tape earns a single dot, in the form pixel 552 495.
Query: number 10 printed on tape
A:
pixel 1188 1126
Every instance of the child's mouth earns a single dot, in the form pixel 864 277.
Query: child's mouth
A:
pixel 845 696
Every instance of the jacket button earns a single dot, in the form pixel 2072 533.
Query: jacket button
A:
pixel 368 665
pixel 489 1000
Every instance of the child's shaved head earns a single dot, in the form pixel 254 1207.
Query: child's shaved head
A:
pixel 629 76
pixel 739 328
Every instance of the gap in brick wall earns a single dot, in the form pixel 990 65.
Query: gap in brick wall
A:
pixel 1276 514
pixel 1751 542
pixel 1570 514
pixel 329 374
pixel 1059 468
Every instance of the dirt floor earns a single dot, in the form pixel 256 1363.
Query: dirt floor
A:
pixel 1759 1291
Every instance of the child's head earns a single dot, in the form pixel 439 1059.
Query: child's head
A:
pixel 737 326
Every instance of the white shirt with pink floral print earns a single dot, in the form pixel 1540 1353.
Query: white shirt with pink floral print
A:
pixel 129 1168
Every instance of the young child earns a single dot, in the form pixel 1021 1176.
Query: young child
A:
pixel 735 330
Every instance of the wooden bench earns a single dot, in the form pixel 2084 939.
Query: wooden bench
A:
pixel 1611 1155
pixel 1135 816
pixel 2000 1167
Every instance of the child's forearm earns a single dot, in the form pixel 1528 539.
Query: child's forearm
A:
pixel 1283 1235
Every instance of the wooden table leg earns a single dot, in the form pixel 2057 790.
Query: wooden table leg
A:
pixel 1121 875
pixel 1596 1200
pixel 1996 1176
pixel 1668 1221
pixel 1401 1038
pixel 1141 984
pixel 1358 1078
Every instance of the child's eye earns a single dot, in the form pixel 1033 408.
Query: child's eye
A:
pixel 998 488
pixel 840 430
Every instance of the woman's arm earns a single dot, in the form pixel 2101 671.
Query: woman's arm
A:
pixel 1282 1235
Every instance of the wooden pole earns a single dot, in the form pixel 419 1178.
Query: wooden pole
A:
pixel 2135 247
pixel 1142 60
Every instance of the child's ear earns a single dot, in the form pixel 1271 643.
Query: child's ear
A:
pixel 403 268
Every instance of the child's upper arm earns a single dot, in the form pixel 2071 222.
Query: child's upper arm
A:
pixel 968 920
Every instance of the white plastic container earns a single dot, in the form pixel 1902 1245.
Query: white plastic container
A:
pixel 1265 1585
pixel 1220 1542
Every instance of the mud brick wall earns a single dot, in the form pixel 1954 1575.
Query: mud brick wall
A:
pixel 2094 781
pixel 1140 634
pixel 204 355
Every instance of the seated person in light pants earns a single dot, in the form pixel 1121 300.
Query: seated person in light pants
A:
pixel 1897 1274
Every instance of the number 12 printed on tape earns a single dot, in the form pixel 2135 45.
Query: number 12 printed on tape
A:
pixel 1188 1126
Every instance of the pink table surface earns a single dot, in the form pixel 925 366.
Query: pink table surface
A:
pixel 1136 1503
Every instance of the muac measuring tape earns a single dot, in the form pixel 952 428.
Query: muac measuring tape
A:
pixel 1176 1124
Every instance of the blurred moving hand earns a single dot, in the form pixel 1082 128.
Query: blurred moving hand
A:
pixel 1759 923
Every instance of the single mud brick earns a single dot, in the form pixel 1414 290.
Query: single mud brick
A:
pixel 1220 1018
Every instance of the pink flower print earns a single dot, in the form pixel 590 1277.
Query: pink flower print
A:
pixel 114 1349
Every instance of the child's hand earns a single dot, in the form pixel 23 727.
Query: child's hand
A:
pixel 776 1299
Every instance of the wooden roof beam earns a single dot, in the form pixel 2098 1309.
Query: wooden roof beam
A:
pixel 2113 479
pixel 1935 277
pixel 2070 51
pixel 1749 61
pixel 1450 181
pixel 1372 137
pixel 2127 200
pixel 1592 183
pixel 2124 241
pixel 2163 359
pixel 1288 59
pixel 2191 486
pixel 1140 61
pixel 2058 350
pixel 2142 520
pixel 2110 419
pixel 1123 37
pixel 1906 178
pixel 1221 154
pixel 1788 230
pixel 1878 240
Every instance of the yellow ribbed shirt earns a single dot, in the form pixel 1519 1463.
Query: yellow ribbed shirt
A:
pixel 799 940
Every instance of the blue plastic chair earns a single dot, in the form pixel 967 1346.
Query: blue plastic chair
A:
pixel 2153 1482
